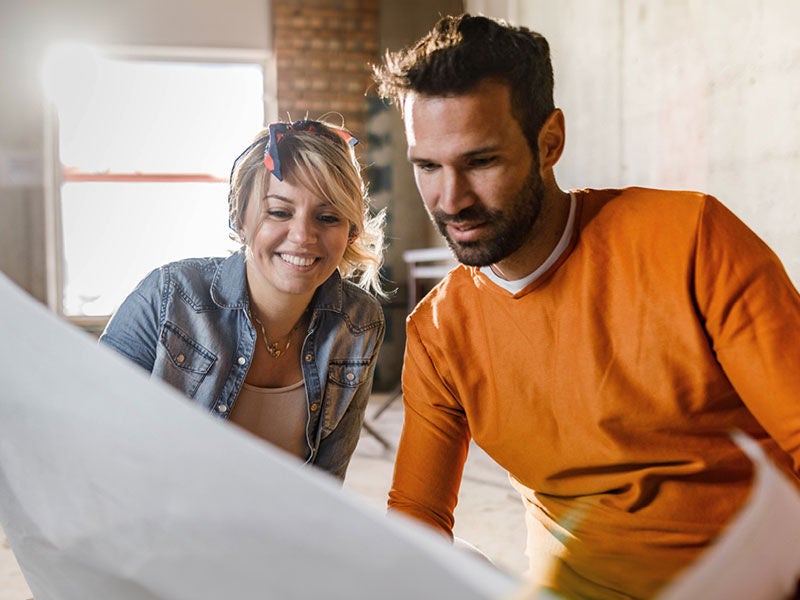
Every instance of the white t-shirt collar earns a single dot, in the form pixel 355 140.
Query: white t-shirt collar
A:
pixel 516 285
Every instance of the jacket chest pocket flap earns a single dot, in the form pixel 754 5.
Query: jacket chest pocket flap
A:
pixel 344 379
pixel 187 362
pixel 349 374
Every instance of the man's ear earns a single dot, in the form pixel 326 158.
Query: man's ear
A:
pixel 551 140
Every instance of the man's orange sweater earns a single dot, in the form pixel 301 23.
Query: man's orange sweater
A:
pixel 608 387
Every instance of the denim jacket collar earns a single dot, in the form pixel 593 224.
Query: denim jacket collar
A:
pixel 229 287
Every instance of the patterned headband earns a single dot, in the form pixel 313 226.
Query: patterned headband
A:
pixel 277 131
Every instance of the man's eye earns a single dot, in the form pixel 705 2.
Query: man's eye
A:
pixel 426 166
pixel 481 161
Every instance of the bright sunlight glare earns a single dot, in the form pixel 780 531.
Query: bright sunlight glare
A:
pixel 144 118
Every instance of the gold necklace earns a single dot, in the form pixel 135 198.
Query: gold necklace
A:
pixel 274 348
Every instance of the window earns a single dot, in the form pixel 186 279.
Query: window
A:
pixel 142 150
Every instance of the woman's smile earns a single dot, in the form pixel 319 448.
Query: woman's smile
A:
pixel 295 239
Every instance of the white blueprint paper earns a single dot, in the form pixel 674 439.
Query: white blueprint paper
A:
pixel 757 556
pixel 114 486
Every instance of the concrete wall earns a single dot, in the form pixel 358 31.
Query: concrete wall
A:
pixel 688 94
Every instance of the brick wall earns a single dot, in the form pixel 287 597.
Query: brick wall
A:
pixel 322 51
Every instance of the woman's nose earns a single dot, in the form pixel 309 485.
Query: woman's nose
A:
pixel 302 230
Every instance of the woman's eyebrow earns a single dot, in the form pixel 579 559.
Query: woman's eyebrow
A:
pixel 321 204
pixel 279 197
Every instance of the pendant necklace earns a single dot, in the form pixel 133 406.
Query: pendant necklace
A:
pixel 274 348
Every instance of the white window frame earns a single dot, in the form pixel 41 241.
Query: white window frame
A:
pixel 53 174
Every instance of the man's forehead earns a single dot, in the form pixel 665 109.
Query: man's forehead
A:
pixel 410 103
pixel 425 116
pixel 459 125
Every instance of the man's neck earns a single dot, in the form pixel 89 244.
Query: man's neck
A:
pixel 543 238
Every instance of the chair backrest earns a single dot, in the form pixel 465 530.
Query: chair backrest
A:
pixel 426 265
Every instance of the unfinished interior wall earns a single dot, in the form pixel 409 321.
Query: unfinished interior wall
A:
pixel 322 53
pixel 687 94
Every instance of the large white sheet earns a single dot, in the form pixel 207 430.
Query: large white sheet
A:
pixel 757 557
pixel 113 486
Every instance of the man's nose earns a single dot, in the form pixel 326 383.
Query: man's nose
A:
pixel 455 193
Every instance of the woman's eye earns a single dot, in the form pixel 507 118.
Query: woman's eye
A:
pixel 330 219
pixel 277 213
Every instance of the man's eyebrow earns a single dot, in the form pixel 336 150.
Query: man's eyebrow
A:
pixel 481 150
pixel 470 154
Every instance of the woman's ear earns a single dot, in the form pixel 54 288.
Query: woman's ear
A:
pixel 551 140
pixel 353 235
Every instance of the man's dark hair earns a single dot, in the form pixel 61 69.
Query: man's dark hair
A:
pixel 460 52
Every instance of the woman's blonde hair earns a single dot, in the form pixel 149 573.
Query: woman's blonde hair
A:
pixel 323 161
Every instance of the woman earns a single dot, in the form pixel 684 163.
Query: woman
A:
pixel 281 337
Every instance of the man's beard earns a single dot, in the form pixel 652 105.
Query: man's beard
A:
pixel 510 227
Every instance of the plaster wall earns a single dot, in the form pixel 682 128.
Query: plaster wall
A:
pixel 680 94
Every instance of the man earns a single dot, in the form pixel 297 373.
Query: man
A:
pixel 599 345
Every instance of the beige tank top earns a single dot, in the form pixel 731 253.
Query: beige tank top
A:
pixel 277 415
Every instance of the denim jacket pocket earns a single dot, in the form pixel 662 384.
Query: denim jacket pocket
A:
pixel 186 362
pixel 345 377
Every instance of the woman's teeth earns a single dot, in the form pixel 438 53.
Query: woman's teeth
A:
pixel 297 260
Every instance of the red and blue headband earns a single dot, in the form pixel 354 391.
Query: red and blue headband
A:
pixel 277 131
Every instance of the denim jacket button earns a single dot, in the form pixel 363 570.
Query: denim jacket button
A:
pixel 222 408
pixel 241 360
pixel 309 357
pixel 349 377
pixel 314 407
pixel 180 358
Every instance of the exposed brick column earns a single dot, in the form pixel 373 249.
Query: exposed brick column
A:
pixel 322 50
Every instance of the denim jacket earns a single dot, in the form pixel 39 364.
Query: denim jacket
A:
pixel 187 323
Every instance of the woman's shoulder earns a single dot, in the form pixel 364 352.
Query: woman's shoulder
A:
pixel 193 267
pixel 353 295
pixel 362 308
pixel 192 278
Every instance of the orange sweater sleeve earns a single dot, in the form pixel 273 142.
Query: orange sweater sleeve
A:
pixel 433 445
pixel 752 313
